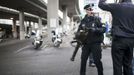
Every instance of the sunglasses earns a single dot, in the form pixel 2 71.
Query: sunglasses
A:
pixel 89 9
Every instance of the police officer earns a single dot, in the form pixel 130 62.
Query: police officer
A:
pixel 93 40
pixel 122 34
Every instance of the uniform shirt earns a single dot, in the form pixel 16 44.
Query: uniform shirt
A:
pixel 97 35
pixel 123 18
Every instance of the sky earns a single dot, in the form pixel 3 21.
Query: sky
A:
pixel 45 1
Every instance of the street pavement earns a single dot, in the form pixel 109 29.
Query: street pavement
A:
pixel 20 58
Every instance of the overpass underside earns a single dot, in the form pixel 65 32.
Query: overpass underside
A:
pixel 40 10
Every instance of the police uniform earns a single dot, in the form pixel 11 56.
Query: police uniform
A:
pixel 122 34
pixel 92 42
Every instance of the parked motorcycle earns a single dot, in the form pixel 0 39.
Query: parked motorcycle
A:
pixel 56 39
pixel 37 42
pixel 27 36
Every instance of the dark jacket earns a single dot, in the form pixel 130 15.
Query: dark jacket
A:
pixel 96 35
pixel 123 17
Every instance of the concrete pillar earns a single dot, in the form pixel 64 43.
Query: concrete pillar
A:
pixel 40 23
pixel 71 23
pixel 52 15
pixel 22 28
pixel 64 23
pixel 34 25
pixel 25 27
pixel 30 28
pixel 14 29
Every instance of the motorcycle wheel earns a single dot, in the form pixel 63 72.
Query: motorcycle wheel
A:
pixel 57 44
pixel 37 46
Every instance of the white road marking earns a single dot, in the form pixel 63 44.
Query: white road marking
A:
pixel 44 46
pixel 22 49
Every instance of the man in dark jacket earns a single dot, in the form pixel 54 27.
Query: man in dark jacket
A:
pixel 93 40
pixel 122 33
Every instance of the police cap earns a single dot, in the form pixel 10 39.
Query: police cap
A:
pixel 88 6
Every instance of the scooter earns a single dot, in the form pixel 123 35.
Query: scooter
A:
pixel 37 42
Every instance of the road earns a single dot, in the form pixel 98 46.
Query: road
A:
pixel 20 58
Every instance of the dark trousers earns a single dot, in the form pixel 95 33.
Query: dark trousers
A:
pixel 91 60
pixel 133 65
pixel 122 54
pixel 96 50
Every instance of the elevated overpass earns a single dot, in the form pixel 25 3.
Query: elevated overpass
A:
pixel 71 5
pixel 7 13
pixel 39 8
pixel 35 7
